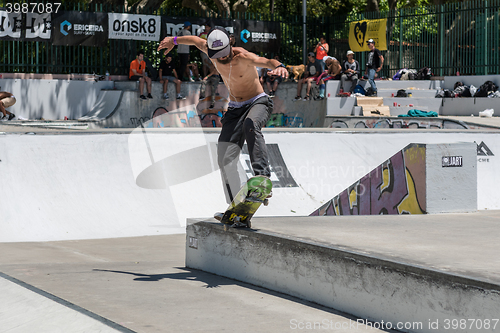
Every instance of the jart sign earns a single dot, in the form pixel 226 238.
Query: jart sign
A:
pixel 131 26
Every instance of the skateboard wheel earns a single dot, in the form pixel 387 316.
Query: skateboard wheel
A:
pixel 266 202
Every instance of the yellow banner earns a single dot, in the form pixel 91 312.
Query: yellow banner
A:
pixel 361 31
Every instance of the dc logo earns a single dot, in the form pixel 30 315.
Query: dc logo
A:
pixel 245 34
pixel 64 24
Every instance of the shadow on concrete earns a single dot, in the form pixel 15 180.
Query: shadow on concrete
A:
pixel 211 280
pixel 215 281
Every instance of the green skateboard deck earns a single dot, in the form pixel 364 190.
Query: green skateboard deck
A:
pixel 253 194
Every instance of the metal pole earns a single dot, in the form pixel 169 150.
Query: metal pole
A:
pixel 304 45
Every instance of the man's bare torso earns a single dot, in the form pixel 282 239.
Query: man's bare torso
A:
pixel 240 77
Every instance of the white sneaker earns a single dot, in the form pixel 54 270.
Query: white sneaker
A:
pixel 165 96
pixel 179 96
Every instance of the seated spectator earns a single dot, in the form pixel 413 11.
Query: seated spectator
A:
pixel 213 80
pixel 137 73
pixel 194 74
pixel 350 72
pixel 313 71
pixel 6 100
pixel 262 72
pixel 331 73
pixel 167 73
pixel 274 80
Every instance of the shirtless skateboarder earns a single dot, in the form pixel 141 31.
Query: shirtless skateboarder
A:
pixel 249 106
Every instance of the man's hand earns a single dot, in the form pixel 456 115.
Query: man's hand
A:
pixel 167 43
pixel 280 71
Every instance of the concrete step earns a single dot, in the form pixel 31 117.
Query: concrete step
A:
pixel 343 263
pixel 332 86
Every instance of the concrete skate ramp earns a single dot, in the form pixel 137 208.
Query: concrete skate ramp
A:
pixel 105 106
pixel 103 185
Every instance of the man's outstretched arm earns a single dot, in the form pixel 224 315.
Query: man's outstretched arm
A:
pixel 168 43
pixel 276 67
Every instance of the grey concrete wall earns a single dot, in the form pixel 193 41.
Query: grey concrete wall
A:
pixel 451 189
pixel 467 106
pixel 363 285
pixel 476 80
pixel 132 110
pixel 53 99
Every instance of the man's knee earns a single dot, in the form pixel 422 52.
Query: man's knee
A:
pixel 250 127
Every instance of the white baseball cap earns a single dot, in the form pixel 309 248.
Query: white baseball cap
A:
pixel 325 58
pixel 218 43
pixel 350 52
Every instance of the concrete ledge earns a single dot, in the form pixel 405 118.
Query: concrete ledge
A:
pixel 367 286
pixel 80 77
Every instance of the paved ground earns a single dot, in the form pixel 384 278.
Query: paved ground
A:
pixel 140 285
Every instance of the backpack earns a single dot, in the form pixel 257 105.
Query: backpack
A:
pixel 424 74
pixel 485 88
pixel 369 91
pixel 401 93
pixel 359 90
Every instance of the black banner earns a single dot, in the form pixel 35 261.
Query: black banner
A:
pixel 80 28
pixel 29 26
pixel 254 36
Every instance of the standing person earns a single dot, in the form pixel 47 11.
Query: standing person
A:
pixel 183 51
pixel 249 106
pixel 313 70
pixel 350 71
pixel 321 51
pixel 137 73
pixel 167 72
pixel 374 64
pixel 204 58
pixel 6 100
pixel 213 80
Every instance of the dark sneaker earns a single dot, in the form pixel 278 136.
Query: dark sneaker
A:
pixel 150 96
pixel 374 94
pixel 180 97
pixel 202 97
pixel 11 116
pixel 297 98
pixel 307 98
pixel 211 105
pixel 142 97
pixel 165 96
pixel 271 93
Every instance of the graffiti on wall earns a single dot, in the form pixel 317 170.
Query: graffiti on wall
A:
pixel 397 186
pixel 398 123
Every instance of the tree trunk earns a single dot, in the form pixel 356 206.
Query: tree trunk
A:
pixel 372 6
pixel 241 6
pixel 223 6
pixel 198 6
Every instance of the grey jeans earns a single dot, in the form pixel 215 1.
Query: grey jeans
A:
pixel 239 125
pixel 353 78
